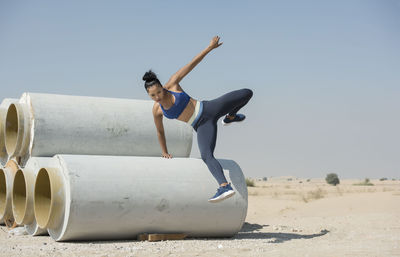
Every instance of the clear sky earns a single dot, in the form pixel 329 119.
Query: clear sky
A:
pixel 325 74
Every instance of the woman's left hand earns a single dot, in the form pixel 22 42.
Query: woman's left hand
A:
pixel 166 155
pixel 215 42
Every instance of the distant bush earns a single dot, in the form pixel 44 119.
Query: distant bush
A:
pixel 313 195
pixel 364 183
pixel 265 178
pixel 316 194
pixel 383 179
pixel 308 180
pixel 332 179
pixel 249 182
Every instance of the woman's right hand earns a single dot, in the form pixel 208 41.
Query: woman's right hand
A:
pixel 166 155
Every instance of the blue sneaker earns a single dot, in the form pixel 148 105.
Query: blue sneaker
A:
pixel 238 118
pixel 222 193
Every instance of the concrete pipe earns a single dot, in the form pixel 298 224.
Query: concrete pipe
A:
pixel 2 190
pixel 22 194
pixel 119 197
pixel 42 125
pixel 3 112
pixel 6 180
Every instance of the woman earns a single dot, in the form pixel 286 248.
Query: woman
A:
pixel 172 102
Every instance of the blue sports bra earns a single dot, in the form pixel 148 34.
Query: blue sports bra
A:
pixel 181 100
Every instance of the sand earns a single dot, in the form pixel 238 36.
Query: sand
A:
pixel 286 217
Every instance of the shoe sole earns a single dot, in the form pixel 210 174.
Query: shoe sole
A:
pixel 227 124
pixel 224 196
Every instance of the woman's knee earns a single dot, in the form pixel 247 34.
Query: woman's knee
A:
pixel 248 92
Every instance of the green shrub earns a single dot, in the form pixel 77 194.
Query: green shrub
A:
pixel 249 182
pixel 364 183
pixel 332 179
pixel 383 179
pixel 265 178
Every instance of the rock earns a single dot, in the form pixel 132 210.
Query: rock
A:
pixel 18 231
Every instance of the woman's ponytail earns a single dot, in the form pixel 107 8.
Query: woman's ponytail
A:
pixel 150 79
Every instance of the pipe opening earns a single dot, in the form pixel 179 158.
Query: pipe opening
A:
pixel 3 153
pixel 3 192
pixel 19 196
pixel 11 129
pixel 42 198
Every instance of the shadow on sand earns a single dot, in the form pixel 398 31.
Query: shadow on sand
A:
pixel 249 231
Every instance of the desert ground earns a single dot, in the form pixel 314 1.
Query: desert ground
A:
pixel 286 216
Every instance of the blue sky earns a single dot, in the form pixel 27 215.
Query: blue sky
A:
pixel 325 74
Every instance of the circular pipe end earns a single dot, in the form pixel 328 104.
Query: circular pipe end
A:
pixel 3 192
pixel 16 129
pixel 19 199
pixel 3 151
pixel 48 198
pixel 11 129
pixel 42 198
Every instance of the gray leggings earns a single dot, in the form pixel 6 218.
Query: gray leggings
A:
pixel 206 126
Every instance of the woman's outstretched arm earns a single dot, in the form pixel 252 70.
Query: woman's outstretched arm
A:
pixel 181 73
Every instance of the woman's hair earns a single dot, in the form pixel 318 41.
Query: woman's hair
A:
pixel 151 79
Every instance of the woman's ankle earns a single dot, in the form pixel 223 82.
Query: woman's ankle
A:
pixel 230 117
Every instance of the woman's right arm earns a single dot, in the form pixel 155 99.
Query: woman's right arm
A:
pixel 160 131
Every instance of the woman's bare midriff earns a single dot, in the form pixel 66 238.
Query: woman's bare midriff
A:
pixel 188 111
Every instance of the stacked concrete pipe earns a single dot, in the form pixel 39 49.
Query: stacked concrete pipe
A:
pixel 42 125
pixel 119 197
pixel 113 186
pixel 7 174
pixel 3 113
pixel 4 105
pixel 22 194
pixel 2 190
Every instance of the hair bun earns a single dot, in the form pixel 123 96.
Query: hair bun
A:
pixel 149 76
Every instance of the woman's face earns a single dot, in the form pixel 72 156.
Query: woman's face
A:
pixel 156 92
